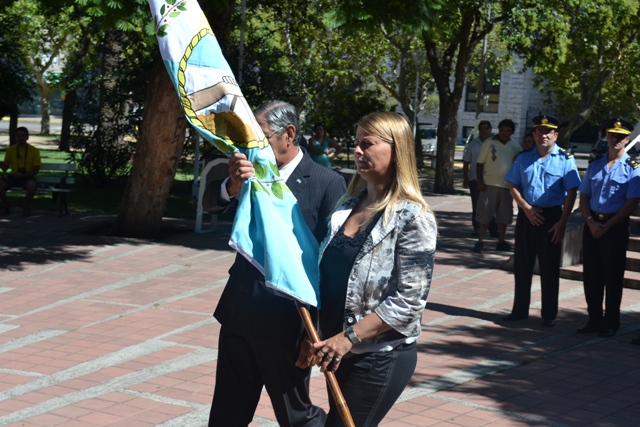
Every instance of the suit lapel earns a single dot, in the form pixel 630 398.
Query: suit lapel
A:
pixel 298 179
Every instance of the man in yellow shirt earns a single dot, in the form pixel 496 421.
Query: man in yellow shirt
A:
pixel 24 161
pixel 495 158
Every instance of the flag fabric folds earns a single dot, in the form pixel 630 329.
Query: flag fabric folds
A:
pixel 269 229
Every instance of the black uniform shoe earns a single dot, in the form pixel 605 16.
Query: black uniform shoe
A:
pixel 589 328
pixel 503 246
pixel 514 317
pixel 478 247
pixel 606 333
pixel 548 323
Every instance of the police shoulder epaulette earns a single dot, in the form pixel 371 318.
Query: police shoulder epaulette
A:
pixel 567 154
pixel 596 157
pixel 633 163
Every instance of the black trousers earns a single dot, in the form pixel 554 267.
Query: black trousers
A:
pixel 244 366
pixel 604 263
pixel 531 242
pixel 371 383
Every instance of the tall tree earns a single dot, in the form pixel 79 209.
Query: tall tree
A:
pixel 45 33
pixel 160 143
pixel 75 68
pixel 450 32
pixel 583 49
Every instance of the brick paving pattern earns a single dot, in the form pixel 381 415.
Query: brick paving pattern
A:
pixel 104 331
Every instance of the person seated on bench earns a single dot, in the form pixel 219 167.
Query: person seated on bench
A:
pixel 24 161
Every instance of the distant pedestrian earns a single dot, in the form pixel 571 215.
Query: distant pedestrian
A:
pixel 470 178
pixel 494 161
pixel 528 143
pixel 322 148
pixel 24 161
pixel 544 182
pixel 609 194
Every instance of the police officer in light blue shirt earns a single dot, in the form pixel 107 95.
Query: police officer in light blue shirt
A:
pixel 544 183
pixel 608 195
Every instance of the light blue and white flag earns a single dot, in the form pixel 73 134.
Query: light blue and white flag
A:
pixel 269 229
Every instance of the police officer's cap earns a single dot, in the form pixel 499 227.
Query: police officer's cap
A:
pixel 618 125
pixel 544 121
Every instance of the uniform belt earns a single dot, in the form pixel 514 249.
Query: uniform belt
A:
pixel 600 217
pixel 549 208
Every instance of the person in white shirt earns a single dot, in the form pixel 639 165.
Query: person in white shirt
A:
pixel 470 180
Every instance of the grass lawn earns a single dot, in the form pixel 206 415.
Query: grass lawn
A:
pixel 85 199
pixel 180 204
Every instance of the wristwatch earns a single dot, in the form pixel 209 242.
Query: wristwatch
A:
pixel 351 334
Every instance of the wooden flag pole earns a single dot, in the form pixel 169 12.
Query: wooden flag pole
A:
pixel 345 414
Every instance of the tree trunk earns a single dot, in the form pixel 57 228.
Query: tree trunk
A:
pixel 160 143
pixel 156 159
pixel 67 117
pixel 45 94
pixel 111 117
pixel 450 77
pixel 14 112
pixel 73 72
pixel 447 132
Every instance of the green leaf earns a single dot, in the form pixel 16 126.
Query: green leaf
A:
pixel 261 171
pixel 171 2
pixel 277 190
pixel 256 187
pixel 162 9
pixel 174 14
pixel 274 168
pixel 182 7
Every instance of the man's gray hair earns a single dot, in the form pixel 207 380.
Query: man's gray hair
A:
pixel 278 115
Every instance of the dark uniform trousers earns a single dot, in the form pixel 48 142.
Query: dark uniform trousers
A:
pixel 604 263
pixel 531 242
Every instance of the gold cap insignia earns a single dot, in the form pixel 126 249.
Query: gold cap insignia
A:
pixel 545 121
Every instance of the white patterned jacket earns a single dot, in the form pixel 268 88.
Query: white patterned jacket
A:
pixel 392 271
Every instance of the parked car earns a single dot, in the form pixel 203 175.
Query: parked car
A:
pixel 429 140
pixel 601 147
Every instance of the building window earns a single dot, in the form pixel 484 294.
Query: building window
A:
pixel 491 99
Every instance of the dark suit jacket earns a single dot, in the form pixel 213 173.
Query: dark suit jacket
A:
pixel 247 307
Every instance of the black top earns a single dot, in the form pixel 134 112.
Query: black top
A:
pixel 335 267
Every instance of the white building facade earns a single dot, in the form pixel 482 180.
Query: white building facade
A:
pixel 515 98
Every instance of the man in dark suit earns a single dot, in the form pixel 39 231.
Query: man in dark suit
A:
pixel 261 330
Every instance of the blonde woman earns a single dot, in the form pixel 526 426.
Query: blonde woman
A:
pixel 375 272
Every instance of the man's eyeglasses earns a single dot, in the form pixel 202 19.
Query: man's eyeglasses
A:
pixel 274 132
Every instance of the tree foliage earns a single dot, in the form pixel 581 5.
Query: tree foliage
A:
pixel 45 33
pixel 449 32
pixel 583 53
pixel 16 81
pixel 291 54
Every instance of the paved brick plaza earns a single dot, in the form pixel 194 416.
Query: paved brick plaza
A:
pixel 99 331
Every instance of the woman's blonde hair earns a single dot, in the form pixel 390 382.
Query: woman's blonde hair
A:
pixel 403 185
